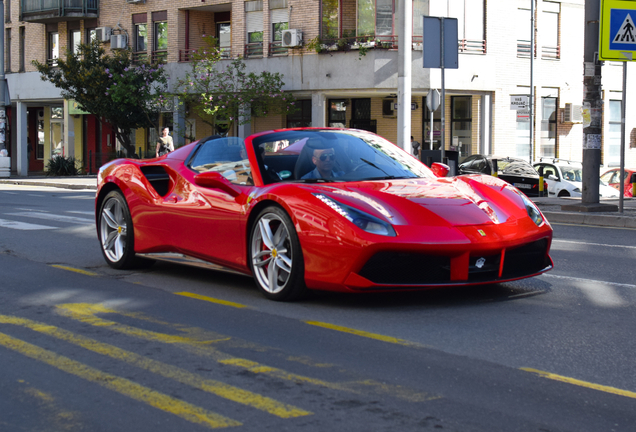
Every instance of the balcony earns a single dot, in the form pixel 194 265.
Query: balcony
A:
pixel 51 11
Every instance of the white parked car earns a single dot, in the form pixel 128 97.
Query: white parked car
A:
pixel 565 178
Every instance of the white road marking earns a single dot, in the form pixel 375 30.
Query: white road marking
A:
pixel 593 244
pixel 22 225
pixel 53 217
pixel 589 280
pixel 90 213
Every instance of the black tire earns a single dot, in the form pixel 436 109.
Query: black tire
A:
pixel 564 194
pixel 276 258
pixel 116 233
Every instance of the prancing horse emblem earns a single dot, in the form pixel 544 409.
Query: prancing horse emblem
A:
pixel 480 262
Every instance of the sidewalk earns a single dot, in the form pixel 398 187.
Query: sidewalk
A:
pixel 552 208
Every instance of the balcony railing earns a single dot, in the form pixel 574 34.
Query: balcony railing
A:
pixel 547 52
pixel 551 52
pixel 160 56
pixel 276 49
pixel 43 11
pixel 185 55
pixel 253 50
pixel 140 57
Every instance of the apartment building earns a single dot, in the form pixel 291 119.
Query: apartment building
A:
pixel 338 57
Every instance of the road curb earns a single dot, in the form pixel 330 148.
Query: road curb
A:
pixel 50 184
pixel 590 219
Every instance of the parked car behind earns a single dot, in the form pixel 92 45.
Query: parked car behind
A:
pixel 613 178
pixel 565 178
pixel 517 172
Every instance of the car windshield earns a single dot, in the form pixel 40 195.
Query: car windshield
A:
pixel 572 174
pixel 332 155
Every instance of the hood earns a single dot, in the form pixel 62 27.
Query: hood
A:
pixel 457 201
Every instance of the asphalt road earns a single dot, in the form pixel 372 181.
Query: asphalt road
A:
pixel 85 347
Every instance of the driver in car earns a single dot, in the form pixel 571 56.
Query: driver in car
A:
pixel 324 160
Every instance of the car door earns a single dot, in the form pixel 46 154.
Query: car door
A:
pixel 207 220
pixel 550 170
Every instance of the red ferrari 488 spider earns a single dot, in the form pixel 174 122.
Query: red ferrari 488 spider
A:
pixel 318 208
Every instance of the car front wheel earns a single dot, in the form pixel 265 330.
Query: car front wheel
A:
pixel 275 256
pixel 115 231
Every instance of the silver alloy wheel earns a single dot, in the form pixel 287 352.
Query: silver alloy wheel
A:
pixel 113 230
pixel 271 253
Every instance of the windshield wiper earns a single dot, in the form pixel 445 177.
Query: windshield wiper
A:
pixel 376 167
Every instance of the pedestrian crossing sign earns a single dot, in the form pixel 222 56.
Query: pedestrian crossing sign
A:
pixel 617 41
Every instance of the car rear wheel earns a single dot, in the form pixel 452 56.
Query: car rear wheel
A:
pixel 115 232
pixel 275 256
pixel 563 194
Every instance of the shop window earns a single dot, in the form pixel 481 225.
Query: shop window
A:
pixel 337 113
pixel 461 124
pixel 361 115
pixel 301 117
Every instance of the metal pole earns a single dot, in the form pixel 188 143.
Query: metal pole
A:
pixel 623 106
pixel 3 116
pixel 443 104
pixel 405 38
pixel 592 101
pixel 531 101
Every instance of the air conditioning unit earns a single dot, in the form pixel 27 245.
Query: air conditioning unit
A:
pixel 292 38
pixel 103 33
pixel 119 41
pixel 572 113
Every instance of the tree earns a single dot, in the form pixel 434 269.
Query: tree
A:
pixel 125 95
pixel 215 92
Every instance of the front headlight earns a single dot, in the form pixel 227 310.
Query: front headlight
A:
pixel 532 209
pixel 576 190
pixel 360 219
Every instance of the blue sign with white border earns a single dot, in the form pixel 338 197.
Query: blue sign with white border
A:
pixel 622 30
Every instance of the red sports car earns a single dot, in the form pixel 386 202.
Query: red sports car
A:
pixel 319 208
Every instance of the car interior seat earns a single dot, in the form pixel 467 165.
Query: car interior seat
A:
pixel 304 163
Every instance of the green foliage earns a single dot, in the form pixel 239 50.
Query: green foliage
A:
pixel 111 87
pixel 226 92
pixel 63 166
pixel 315 44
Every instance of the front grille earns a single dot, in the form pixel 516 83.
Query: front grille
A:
pixel 401 268
pixel 488 271
pixel 525 260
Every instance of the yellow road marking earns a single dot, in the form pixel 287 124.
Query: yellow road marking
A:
pixel 126 387
pixel 58 418
pixel 80 271
pixel 223 390
pixel 210 299
pixel 365 334
pixel 574 381
pixel 201 346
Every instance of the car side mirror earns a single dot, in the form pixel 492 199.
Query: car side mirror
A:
pixel 440 169
pixel 215 180
pixel 553 177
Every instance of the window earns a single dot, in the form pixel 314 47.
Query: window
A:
pixel 522 138
pixel 140 38
pixel 613 147
pixel 254 28
pixel 302 117
pixel 224 33
pixel 279 17
pixel 548 127
pixel 160 25
pixel 523 32
pixel 329 28
pixel 470 23
pixel 462 123
pixel 361 115
pixel 7 12
pixel 75 40
pixel 22 48
pixel 549 27
pixel 7 51
pixel 384 18
pixel 53 48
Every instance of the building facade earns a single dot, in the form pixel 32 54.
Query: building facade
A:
pixel 340 60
